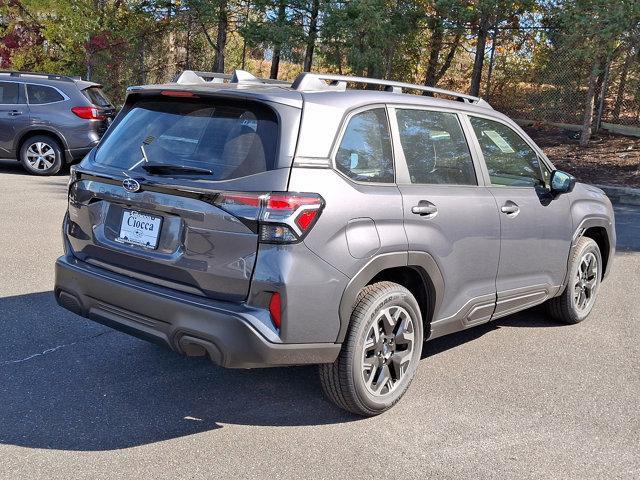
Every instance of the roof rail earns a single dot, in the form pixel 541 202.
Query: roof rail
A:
pixel 48 76
pixel 238 76
pixel 318 81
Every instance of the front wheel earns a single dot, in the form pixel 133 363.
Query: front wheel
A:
pixel 381 353
pixel 579 296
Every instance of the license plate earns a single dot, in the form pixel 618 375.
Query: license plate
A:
pixel 139 228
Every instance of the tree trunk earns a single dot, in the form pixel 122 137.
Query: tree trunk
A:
pixel 587 119
pixel 277 48
pixel 599 81
pixel 275 62
pixel 188 42
pixel 622 86
pixel 244 39
pixel 449 58
pixel 221 39
pixel 312 36
pixel 492 57
pixel 435 25
pixel 142 78
pixel 478 61
pixel 602 88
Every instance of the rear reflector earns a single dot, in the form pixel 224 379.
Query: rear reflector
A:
pixel 306 218
pixel 280 217
pixel 88 113
pixel 275 310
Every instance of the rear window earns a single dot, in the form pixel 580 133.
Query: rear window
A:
pixel 40 94
pixel 231 140
pixel 95 96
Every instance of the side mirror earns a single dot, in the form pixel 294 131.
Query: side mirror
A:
pixel 562 182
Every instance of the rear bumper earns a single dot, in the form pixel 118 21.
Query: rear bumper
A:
pixel 227 332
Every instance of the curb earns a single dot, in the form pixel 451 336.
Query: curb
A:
pixel 622 195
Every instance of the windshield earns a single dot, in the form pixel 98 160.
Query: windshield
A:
pixel 230 140
pixel 95 96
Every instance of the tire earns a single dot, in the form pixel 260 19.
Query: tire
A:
pixel 365 378
pixel 579 296
pixel 41 155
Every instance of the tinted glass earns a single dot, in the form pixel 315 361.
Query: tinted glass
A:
pixel 9 93
pixel 435 148
pixel 510 160
pixel 95 96
pixel 365 150
pixel 232 140
pixel 39 94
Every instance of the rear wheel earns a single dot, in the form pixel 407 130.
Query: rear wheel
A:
pixel 41 155
pixel 579 296
pixel 380 354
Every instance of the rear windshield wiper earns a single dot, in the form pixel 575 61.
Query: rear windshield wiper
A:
pixel 167 169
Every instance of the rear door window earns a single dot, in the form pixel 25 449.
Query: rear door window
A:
pixel 9 93
pixel 230 139
pixel 41 94
pixel 435 148
pixel 365 150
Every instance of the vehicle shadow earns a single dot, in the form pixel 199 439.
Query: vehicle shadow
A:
pixel 70 384
pixel 13 167
pixel 535 317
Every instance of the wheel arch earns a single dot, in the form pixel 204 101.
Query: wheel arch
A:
pixel 46 131
pixel 601 230
pixel 417 271
pixel 600 236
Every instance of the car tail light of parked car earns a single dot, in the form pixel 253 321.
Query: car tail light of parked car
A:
pixel 89 113
pixel 280 217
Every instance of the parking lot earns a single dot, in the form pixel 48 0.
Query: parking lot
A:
pixel 519 398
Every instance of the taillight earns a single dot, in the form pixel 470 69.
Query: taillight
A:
pixel 275 309
pixel 278 217
pixel 88 113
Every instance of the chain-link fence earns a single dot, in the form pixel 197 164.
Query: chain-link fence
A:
pixel 537 83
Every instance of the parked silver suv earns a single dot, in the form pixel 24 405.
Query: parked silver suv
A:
pixel 264 224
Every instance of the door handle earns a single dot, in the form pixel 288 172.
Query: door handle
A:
pixel 510 208
pixel 14 113
pixel 424 208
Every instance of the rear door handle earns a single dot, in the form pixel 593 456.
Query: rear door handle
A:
pixel 424 208
pixel 14 113
pixel 510 208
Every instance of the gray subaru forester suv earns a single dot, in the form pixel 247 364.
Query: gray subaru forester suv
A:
pixel 264 224
pixel 49 120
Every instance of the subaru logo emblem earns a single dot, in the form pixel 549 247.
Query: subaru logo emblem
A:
pixel 130 185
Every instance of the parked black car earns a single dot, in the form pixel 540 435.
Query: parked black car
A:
pixel 49 120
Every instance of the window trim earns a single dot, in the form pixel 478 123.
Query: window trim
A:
pixel 26 93
pixel 403 177
pixel 539 153
pixel 339 137
pixel 22 92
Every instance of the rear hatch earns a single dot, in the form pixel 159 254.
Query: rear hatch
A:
pixel 172 193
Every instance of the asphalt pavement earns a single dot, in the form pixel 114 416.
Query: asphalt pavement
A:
pixel 522 397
